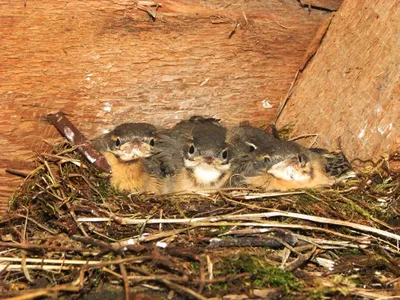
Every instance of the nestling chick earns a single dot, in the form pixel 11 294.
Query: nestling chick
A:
pixel 297 171
pixel 273 164
pixel 202 159
pixel 129 150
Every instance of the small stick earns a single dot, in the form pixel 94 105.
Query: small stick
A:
pixel 19 268
pixel 202 275
pixel 95 242
pixel 125 279
pixel 23 253
pixel 316 42
pixel 245 17
pixel 286 99
pixel 129 221
pixel 17 173
pixel 303 136
pixel 176 286
pixel 50 261
pixel 68 130
pixel 234 30
pixel 300 260
pixel 147 6
pixel 42 247
pixel 14 216
pixel 45 292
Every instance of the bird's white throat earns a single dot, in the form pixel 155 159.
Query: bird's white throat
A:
pixel 285 172
pixel 206 174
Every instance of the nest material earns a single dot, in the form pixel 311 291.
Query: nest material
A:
pixel 70 234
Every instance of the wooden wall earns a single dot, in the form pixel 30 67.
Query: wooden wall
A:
pixel 349 93
pixel 105 62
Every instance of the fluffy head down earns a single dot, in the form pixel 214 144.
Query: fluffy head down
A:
pixel 128 141
pixel 206 155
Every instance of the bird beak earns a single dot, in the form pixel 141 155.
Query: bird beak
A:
pixel 208 160
pixel 134 149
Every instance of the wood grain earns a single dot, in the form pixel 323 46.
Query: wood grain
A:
pixel 349 92
pixel 331 5
pixel 105 63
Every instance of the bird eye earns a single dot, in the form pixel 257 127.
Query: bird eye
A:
pixel 252 147
pixel 267 159
pixel 118 142
pixel 191 149
pixel 151 142
pixel 224 154
pixel 302 160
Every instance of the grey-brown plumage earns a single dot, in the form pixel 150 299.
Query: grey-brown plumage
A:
pixel 128 141
pixel 199 155
pixel 264 161
pixel 131 150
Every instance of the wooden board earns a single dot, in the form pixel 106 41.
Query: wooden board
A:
pixel 349 93
pixel 105 63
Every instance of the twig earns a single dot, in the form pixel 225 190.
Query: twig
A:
pixel 179 287
pixel 147 6
pixel 124 278
pixel 301 259
pixel 286 99
pixel 250 206
pixel 316 42
pixel 255 241
pixel 202 274
pixel 303 136
pixel 365 213
pixel 50 261
pixel 42 247
pixel 41 226
pixel 68 130
pixel 128 221
pixel 162 279
pixel 102 245
pixel 361 241
pixel 270 195
pixel 23 253
pixel 31 294
pixel 19 268
pixel 234 30
pixel 210 267
pixel 17 173
pixel 87 182
pixel 245 17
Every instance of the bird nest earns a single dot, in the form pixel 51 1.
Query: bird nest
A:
pixel 70 234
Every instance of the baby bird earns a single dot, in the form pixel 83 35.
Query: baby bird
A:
pixel 267 162
pixel 200 157
pixel 296 171
pixel 129 150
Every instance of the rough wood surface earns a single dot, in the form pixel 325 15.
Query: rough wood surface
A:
pixel 349 92
pixel 332 5
pixel 105 62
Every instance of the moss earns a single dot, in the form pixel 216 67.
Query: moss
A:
pixel 353 251
pixel 261 273
pixel 195 267
pixel 285 131
pixel 105 188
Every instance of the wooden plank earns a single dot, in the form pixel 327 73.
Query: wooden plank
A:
pixel 349 92
pixel 105 63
